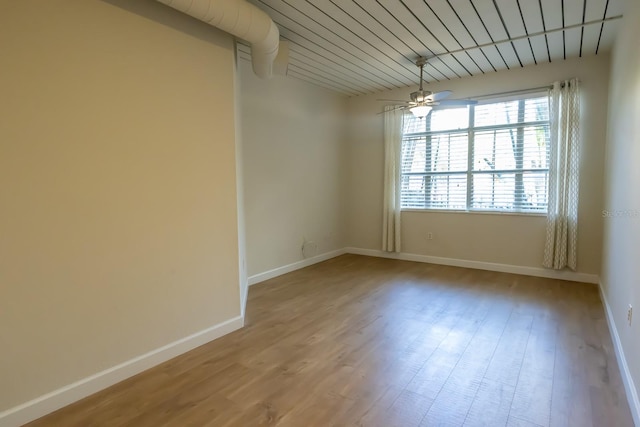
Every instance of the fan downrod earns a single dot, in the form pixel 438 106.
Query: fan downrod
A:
pixel 420 95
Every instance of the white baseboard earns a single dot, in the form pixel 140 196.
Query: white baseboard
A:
pixel 68 394
pixel 480 265
pixel 261 277
pixel 629 386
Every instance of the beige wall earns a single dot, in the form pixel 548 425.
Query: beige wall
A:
pixel 505 239
pixel 621 269
pixel 117 187
pixel 293 161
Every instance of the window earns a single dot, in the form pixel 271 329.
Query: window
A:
pixel 493 156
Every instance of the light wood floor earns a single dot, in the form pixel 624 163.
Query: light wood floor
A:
pixel 359 341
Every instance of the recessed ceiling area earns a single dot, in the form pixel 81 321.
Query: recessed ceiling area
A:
pixel 364 46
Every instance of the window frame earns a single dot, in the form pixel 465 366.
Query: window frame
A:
pixel 470 131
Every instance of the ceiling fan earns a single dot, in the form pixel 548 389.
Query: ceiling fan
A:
pixel 423 101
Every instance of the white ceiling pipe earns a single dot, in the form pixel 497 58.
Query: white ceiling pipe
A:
pixel 241 19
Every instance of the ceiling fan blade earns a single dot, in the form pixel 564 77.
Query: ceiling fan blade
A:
pixel 453 103
pixel 435 97
pixel 457 102
pixel 399 107
pixel 403 101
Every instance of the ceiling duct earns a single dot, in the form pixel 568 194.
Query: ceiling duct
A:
pixel 241 19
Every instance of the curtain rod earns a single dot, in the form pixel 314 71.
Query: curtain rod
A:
pixel 513 92
pixel 516 92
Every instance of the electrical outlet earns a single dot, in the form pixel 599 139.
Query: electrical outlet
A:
pixel 630 314
pixel 429 236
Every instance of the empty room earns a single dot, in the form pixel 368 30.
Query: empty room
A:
pixel 384 213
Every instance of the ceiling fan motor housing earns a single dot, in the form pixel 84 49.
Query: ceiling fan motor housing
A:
pixel 420 96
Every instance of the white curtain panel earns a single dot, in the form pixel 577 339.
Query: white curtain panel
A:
pixel 562 219
pixel 392 147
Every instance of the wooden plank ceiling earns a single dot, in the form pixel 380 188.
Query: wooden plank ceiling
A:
pixel 363 46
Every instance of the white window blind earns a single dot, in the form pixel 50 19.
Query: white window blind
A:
pixel 488 157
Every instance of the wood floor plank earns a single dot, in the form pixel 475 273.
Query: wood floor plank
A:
pixel 507 360
pixel 533 392
pixel 408 410
pixel 518 422
pixel 491 406
pixel 362 341
pixel 463 385
pixel 483 328
pixel 571 401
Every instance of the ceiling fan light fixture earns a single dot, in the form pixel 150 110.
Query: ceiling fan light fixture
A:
pixel 420 110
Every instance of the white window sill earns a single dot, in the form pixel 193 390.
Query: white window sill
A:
pixel 462 211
